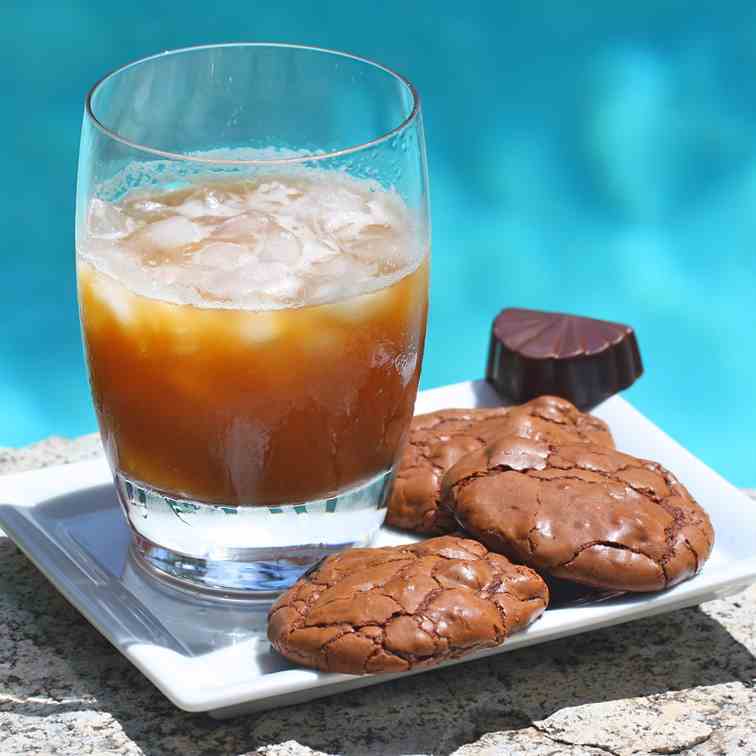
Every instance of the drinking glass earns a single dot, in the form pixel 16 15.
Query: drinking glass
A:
pixel 252 238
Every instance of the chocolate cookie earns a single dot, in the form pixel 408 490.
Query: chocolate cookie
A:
pixel 402 607
pixel 439 439
pixel 556 421
pixel 585 513
pixel 436 441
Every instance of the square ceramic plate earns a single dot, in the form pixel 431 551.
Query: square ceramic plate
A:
pixel 213 656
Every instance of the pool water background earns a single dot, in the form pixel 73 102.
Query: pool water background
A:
pixel 595 158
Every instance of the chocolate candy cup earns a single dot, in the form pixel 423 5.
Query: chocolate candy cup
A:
pixel 581 359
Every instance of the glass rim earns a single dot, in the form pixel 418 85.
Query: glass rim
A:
pixel 298 159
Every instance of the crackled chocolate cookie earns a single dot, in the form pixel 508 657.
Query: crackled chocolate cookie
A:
pixel 439 439
pixel 580 512
pixel 402 607
pixel 557 421
pixel 436 441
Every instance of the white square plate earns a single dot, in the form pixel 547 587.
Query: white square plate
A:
pixel 213 656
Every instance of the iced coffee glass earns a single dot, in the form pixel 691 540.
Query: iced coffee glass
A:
pixel 252 245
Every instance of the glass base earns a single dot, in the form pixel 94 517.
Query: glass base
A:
pixel 247 552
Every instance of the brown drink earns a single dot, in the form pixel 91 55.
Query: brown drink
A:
pixel 253 343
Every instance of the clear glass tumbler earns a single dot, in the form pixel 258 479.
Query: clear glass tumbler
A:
pixel 252 242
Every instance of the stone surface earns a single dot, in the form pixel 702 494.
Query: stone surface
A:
pixel 55 450
pixel 683 682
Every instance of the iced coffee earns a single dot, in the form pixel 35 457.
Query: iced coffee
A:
pixel 253 341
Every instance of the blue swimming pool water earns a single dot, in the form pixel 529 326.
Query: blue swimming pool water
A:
pixel 593 157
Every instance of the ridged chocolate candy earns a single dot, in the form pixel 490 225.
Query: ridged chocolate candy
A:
pixel 581 359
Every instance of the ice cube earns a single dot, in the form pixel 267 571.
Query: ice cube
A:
pixel 254 283
pixel 280 246
pixel 210 202
pixel 146 207
pixel 107 221
pixel 286 290
pixel 383 214
pixel 218 286
pixel 223 256
pixel 335 266
pixel 325 291
pixel 375 247
pixel 346 224
pixel 316 250
pixel 273 280
pixel 247 227
pixel 265 272
pixel 193 209
pixel 115 296
pixel 341 199
pixel 363 306
pixel 273 193
pixel 179 326
pixel 167 275
pixel 259 327
pixel 92 248
pixel 353 218
pixel 173 232
pixel 338 277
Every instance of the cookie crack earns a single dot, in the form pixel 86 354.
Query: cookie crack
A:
pixel 411 659
pixel 531 545
pixel 495 589
pixel 288 606
pixel 611 545
pixel 680 517
pixel 325 648
pixel 436 467
pixel 694 552
pixel 462 483
pixel 534 528
pixel 553 420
